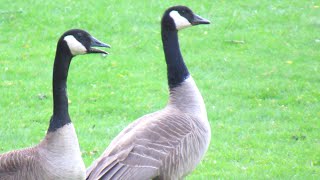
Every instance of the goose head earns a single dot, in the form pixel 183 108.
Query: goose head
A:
pixel 180 17
pixel 81 42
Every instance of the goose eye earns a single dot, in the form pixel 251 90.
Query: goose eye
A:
pixel 81 37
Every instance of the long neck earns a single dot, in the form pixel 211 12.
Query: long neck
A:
pixel 176 68
pixel 59 86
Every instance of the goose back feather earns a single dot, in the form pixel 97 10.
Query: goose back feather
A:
pixel 167 144
pixel 58 155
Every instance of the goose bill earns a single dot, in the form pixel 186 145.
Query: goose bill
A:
pixel 97 43
pixel 199 20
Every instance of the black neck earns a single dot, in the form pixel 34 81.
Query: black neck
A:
pixel 62 61
pixel 176 68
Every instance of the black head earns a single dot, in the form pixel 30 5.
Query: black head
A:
pixel 81 42
pixel 179 17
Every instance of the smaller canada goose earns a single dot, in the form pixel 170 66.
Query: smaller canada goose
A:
pixel 58 155
pixel 167 144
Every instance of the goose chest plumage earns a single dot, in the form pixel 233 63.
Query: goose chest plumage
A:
pixel 58 155
pixel 167 144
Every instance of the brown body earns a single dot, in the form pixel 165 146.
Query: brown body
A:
pixel 167 144
pixel 55 157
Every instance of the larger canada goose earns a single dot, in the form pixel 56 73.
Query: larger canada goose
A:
pixel 167 144
pixel 58 155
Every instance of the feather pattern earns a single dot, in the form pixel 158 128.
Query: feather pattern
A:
pixel 166 144
pixel 58 156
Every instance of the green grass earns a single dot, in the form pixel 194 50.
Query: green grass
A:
pixel 257 66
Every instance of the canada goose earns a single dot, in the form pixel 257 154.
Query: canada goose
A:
pixel 167 144
pixel 58 155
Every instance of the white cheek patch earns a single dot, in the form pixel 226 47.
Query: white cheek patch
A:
pixel 75 46
pixel 180 21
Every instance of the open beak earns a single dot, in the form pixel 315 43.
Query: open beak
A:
pixel 199 20
pixel 96 43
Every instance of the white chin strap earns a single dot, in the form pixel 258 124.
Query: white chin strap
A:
pixel 75 46
pixel 180 21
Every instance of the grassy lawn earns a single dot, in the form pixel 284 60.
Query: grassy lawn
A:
pixel 257 66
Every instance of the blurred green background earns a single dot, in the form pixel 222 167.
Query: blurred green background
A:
pixel 257 66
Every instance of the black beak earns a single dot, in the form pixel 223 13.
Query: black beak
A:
pixel 97 43
pixel 199 20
